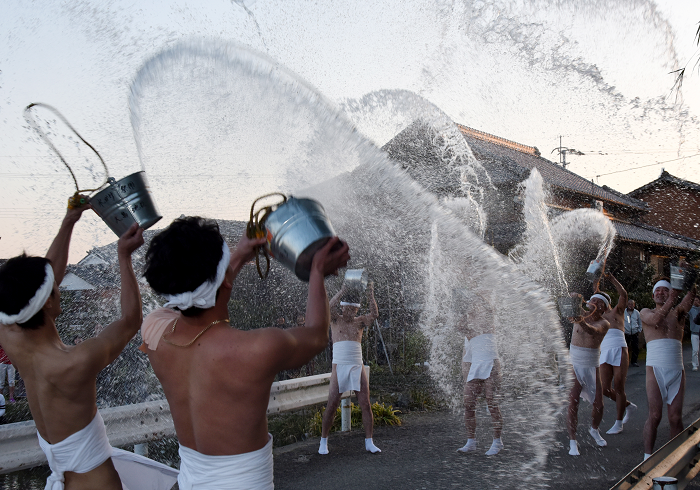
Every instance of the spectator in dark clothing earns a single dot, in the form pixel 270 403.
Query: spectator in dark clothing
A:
pixel 633 325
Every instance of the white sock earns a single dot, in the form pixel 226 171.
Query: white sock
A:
pixel 323 447
pixel 598 438
pixel 616 428
pixel 468 447
pixel 369 446
pixel 631 408
pixel 496 446
pixel 573 448
pixel 646 456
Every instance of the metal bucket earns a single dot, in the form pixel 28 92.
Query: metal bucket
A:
pixel 125 202
pixel 594 271
pixel 665 483
pixel 570 306
pixel 295 231
pixel 356 279
pixel 683 277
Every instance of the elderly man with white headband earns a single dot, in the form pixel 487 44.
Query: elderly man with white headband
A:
pixel 217 378
pixel 60 379
pixel 614 355
pixel 663 330
pixel 481 365
pixel 584 352
pixel 347 372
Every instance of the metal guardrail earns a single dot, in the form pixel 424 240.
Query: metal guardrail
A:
pixel 149 421
pixel 678 458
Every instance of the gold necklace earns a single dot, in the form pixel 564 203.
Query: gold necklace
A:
pixel 172 330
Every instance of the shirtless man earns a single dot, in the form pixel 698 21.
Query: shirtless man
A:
pixel 216 377
pixel 59 378
pixel 614 357
pixel 663 331
pixel 348 372
pixel 481 367
pixel 586 338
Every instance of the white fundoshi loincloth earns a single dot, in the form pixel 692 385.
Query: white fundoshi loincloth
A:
pixel 585 362
pixel 347 356
pixel 611 347
pixel 480 352
pixel 666 357
pixel 88 448
pixel 251 470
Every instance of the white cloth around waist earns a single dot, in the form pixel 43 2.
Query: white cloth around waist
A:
pixel 347 356
pixel 611 347
pixel 253 470
pixel 665 353
pixel 88 448
pixel 585 362
pixel 480 351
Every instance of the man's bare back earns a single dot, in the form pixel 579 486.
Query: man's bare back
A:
pixel 60 379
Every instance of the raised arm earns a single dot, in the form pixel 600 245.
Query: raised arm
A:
pixel 622 293
pixel 591 329
pixel 687 303
pixel 244 252
pixel 108 344
pixel 297 346
pixel 333 303
pixel 373 309
pixel 58 251
pixel 655 317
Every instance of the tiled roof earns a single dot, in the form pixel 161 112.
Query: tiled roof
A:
pixel 507 160
pixel 666 177
pixel 656 236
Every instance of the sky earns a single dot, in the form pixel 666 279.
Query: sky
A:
pixel 593 72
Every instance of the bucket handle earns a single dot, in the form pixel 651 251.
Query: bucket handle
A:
pixel 30 119
pixel 256 229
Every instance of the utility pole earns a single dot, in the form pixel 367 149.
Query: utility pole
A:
pixel 563 151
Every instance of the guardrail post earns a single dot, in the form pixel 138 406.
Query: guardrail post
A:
pixel 141 449
pixel 346 415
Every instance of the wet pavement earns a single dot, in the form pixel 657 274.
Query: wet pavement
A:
pixel 421 454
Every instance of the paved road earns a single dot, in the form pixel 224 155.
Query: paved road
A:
pixel 422 453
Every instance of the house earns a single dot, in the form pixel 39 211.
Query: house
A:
pixel 674 204
pixel 505 165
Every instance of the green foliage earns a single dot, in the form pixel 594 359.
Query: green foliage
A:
pixel 383 415
pixel 17 411
pixel 288 428
pixel 422 400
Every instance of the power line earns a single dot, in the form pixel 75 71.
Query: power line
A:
pixel 650 165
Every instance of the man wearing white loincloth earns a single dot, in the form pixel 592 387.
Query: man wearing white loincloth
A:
pixel 481 367
pixel 347 371
pixel 216 377
pixel 614 356
pixel 60 379
pixel 663 331
pixel 587 335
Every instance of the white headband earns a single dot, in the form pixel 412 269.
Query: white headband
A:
pixel 205 295
pixel 345 303
pixel 35 304
pixel 600 296
pixel 661 284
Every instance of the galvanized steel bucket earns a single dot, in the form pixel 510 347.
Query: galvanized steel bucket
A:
pixel 570 306
pixel 125 202
pixel 683 277
pixel 295 231
pixel 356 279
pixel 594 271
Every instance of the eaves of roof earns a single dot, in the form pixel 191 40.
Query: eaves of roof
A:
pixel 666 178
pixel 641 233
pixel 489 148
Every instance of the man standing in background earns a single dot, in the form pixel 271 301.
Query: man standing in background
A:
pixel 695 331
pixel 633 325
pixel 7 369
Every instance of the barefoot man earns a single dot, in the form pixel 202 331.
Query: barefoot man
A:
pixel 584 352
pixel 663 331
pixel 481 367
pixel 614 357
pixel 348 372
pixel 216 377
pixel 60 379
